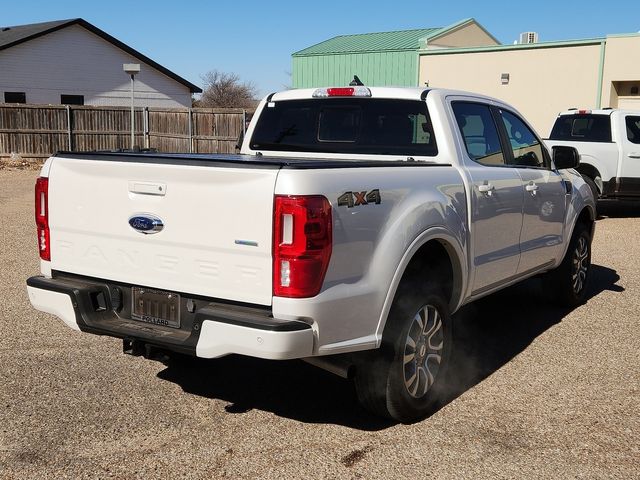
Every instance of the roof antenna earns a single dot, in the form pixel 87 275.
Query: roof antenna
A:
pixel 356 82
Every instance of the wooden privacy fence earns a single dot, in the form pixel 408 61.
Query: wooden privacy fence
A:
pixel 37 131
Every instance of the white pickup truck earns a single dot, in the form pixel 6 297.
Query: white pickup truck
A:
pixel 351 227
pixel 608 141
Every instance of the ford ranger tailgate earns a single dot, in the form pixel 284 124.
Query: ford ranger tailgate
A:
pixel 203 228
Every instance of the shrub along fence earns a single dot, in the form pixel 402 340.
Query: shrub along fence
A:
pixel 34 132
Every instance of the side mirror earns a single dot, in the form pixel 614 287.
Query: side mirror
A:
pixel 565 157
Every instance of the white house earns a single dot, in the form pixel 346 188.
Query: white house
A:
pixel 74 62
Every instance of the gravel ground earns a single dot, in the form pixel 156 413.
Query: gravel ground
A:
pixel 541 392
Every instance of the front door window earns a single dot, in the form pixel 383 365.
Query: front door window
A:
pixel 527 149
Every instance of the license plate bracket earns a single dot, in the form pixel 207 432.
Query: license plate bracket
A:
pixel 157 307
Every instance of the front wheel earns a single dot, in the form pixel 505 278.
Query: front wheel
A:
pixel 567 284
pixel 405 378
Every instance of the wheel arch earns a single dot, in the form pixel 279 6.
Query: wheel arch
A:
pixel 588 170
pixel 436 249
pixel 587 217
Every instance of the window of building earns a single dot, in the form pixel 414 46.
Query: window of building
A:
pixel 72 99
pixel 15 97
pixel 479 132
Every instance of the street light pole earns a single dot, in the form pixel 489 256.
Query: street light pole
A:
pixel 132 69
pixel 133 116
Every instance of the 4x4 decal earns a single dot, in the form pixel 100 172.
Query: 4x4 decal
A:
pixel 354 199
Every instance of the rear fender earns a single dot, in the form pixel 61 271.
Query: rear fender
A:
pixel 593 165
pixel 459 264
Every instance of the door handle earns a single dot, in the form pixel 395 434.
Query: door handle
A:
pixel 486 188
pixel 532 188
pixel 633 155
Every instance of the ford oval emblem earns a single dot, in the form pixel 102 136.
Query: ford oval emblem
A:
pixel 146 223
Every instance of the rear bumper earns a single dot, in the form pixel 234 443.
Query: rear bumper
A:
pixel 211 330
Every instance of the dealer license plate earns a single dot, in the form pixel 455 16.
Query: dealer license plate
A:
pixel 156 307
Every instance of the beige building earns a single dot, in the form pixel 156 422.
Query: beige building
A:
pixel 541 79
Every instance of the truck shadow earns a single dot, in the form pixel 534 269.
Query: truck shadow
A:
pixel 488 334
pixel 493 330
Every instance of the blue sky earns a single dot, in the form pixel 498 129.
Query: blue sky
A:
pixel 255 39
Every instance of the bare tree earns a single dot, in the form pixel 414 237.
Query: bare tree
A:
pixel 287 86
pixel 226 90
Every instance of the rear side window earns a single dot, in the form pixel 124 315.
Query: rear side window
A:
pixel 582 128
pixel 346 125
pixel 633 129
pixel 479 132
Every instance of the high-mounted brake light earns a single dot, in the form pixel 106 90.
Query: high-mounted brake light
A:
pixel 302 240
pixel 342 92
pixel 42 217
pixel 583 112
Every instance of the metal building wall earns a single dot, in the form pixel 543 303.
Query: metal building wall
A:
pixel 389 68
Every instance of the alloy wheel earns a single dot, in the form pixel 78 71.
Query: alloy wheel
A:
pixel 423 351
pixel 580 265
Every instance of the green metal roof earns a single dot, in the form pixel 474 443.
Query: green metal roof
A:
pixel 368 42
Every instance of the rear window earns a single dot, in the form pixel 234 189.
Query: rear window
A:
pixel 346 125
pixel 582 128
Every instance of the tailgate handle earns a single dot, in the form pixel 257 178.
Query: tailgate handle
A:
pixel 148 188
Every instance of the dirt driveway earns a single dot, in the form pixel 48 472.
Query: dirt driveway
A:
pixel 541 392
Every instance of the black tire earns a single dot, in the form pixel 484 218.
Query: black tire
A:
pixel 567 284
pixel 592 185
pixel 383 377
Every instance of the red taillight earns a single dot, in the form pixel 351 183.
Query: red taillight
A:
pixel 301 245
pixel 42 217
pixel 340 92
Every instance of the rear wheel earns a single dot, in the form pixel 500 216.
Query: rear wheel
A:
pixel 567 284
pixel 404 379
